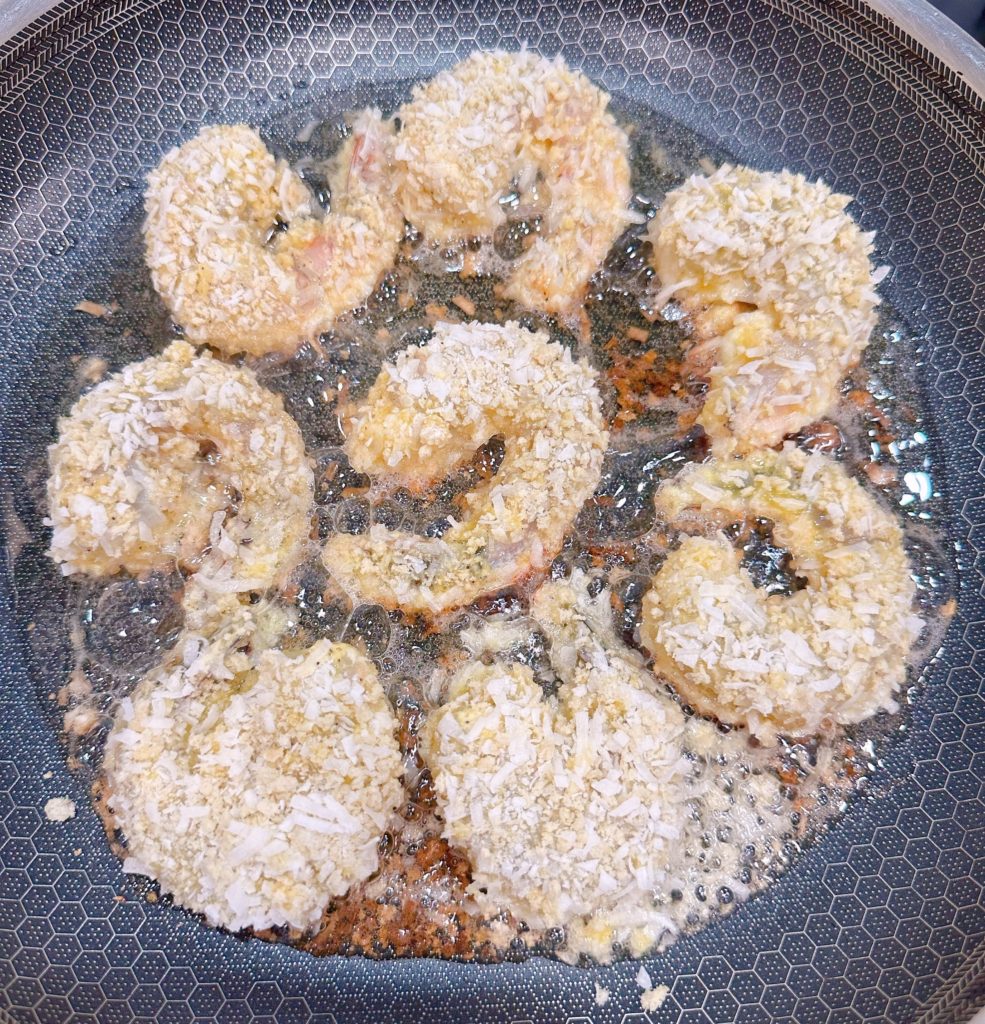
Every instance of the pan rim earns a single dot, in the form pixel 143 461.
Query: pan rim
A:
pixel 930 48
pixel 101 16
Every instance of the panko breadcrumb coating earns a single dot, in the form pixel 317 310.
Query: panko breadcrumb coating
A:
pixel 427 412
pixel 184 459
pixel 573 789
pixel 568 806
pixel 498 119
pixel 257 793
pixel 230 277
pixel 831 654
pixel 778 277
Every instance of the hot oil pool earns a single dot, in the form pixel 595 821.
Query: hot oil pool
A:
pixel 753 809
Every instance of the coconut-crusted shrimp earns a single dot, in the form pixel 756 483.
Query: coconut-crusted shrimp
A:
pixel 567 805
pixel 778 278
pixel 239 252
pixel 500 120
pixel 830 654
pixel 255 788
pixel 427 412
pixel 181 459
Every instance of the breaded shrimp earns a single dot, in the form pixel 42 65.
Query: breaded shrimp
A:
pixel 567 806
pixel 500 120
pixel 255 789
pixel 830 654
pixel 428 411
pixel 778 278
pixel 184 459
pixel 238 252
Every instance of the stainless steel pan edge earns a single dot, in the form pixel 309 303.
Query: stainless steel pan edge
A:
pixel 875 920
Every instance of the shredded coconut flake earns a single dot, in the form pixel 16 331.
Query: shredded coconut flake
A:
pixel 244 806
pixel 213 202
pixel 132 485
pixel 555 440
pixel 498 120
pixel 654 998
pixel 59 809
pixel 787 247
pixel 798 664
pixel 529 784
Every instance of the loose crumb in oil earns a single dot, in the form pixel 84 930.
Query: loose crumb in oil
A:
pixel 95 308
pixel 651 998
pixel 92 370
pixel 654 998
pixel 81 720
pixel 59 809
pixel 465 304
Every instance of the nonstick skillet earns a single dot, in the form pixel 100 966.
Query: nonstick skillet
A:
pixel 883 919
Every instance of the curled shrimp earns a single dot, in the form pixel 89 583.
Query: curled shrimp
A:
pixel 567 805
pixel 180 458
pixel 430 410
pixel 778 278
pixel 238 251
pixel 255 788
pixel 500 121
pixel 830 654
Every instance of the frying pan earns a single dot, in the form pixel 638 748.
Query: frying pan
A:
pixel 883 919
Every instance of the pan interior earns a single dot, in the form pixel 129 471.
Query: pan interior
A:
pixel 75 215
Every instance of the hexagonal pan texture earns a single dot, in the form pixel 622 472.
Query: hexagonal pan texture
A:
pixel 877 917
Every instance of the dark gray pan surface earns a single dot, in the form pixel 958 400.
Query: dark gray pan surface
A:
pixel 877 917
